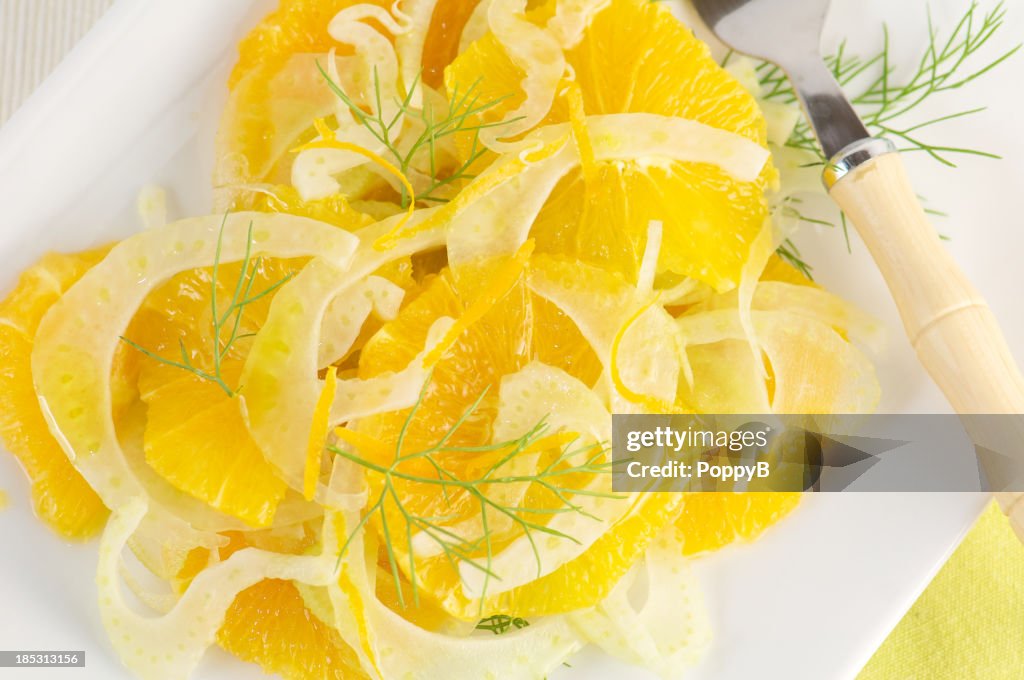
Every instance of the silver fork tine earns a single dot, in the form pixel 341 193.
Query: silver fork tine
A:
pixel 788 33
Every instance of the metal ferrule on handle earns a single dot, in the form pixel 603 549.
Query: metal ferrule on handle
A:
pixel 853 155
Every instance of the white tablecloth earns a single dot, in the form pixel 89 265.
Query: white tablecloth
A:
pixel 34 36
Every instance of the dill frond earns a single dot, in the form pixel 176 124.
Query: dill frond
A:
pixel 460 116
pixel 885 105
pixel 882 102
pixel 229 320
pixel 477 551
pixel 788 251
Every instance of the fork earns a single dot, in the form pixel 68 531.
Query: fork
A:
pixel 949 324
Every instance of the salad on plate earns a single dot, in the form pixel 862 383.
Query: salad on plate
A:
pixel 356 421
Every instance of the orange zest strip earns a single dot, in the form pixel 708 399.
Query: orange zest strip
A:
pixel 580 133
pixel 651 404
pixel 500 283
pixel 317 431
pixel 483 185
pixel 330 141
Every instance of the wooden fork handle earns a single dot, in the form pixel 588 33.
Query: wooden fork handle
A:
pixel 948 322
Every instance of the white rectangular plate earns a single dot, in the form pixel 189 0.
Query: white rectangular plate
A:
pixel 137 103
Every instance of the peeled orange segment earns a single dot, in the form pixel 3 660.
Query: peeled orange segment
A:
pixel 170 645
pixel 564 347
pixel 712 520
pixel 510 195
pixel 497 344
pixel 268 624
pixel 668 630
pixel 79 336
pixel 636 57
pixel 295 27
pixel 606 222
pixel 197 440
pixel 61 497
pixel 667 72
pixel 631 57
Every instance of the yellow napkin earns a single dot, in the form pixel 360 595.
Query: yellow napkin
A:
pixel 969 622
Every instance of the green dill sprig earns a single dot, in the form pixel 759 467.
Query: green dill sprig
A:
pixel 788 251
pixel 500 624
pixel 461 116
pixel 230 319
pixel 553 477
pixel 883 103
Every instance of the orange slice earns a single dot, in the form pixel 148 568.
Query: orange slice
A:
pixel 62 498
pixel 636 57
pixel 277 91
pixel 501 341
pixel 198 441
pixel 195 435
pixel 269 624
pixel 710 521
pixel 515 328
